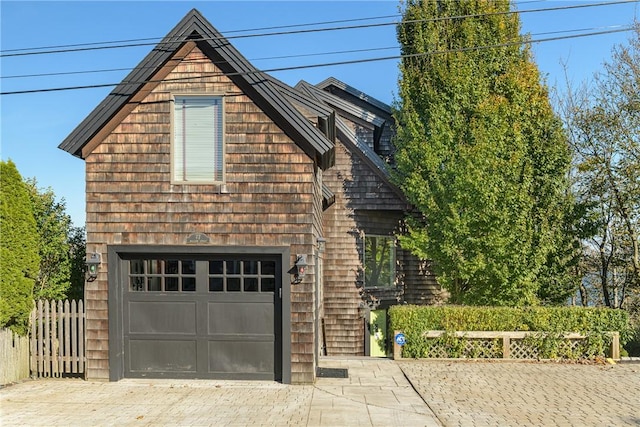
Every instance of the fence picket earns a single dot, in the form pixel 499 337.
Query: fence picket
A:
pixel 54 338
pixel 81 329
pixel 40 343
pixel 60 341
pixel 46 344
pixel 33 343
pixel 74 337
pixel 57 338
pixel 67 337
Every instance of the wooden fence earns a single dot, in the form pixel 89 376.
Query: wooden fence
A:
pixel 14 357
pixel 57 338
pixel 482 344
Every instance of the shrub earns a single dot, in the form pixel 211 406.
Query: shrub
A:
pixel 19 258
pixel 552 321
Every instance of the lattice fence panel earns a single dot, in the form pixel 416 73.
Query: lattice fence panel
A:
pixel 482 348
pixel 519 349
pixel 436 351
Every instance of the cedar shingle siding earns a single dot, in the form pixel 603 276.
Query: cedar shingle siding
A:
pixel 270 196
pixel 285 185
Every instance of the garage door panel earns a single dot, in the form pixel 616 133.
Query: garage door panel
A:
pixel 153 317
pixel 201 317
pixel 241 357
pixel 154 356
pixel 240 318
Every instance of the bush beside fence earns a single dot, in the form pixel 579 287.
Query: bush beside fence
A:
pixel 546 332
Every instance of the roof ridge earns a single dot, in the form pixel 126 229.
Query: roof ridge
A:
pixel 252 81
pixel 329 81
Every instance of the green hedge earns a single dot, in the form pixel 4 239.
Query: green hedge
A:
pixel 593 322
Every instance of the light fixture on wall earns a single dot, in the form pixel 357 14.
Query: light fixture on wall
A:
pixel 322 242
pixel 92 262
pixel 299 269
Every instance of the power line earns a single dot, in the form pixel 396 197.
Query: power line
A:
pixel 108 70
pixel 158 39
pixel 326 64
pixel 197 61
pixel 314 30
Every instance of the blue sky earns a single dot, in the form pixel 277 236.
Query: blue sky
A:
pixel 32 125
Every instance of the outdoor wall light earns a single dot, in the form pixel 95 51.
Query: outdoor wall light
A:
pixel 299 269
pixel 92 261
pixel 322 242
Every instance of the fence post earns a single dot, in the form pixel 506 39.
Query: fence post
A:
pixel 397 348
pixel 615 345
pixel 506 347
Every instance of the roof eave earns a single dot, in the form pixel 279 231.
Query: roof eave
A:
pixel 254 83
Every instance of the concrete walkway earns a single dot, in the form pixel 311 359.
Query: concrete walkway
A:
pixel 375 394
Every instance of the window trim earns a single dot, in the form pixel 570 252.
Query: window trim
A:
pixel 221 96
pixel 393 280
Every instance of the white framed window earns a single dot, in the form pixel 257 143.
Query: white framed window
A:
pixel 379 261
pixel 198 140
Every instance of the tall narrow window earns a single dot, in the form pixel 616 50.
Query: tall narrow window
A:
pixel 379 261
pixel 198 149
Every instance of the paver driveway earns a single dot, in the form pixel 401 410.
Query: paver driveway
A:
pixel 528 394
pixel 376 393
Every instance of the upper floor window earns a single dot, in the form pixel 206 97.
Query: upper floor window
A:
pixel 379 261
pixel 198 143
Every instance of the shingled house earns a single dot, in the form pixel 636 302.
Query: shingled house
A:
pixel 243 227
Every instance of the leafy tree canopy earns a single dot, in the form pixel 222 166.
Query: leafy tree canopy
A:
pixel 54 229
pixel 480 153
pixel 19 257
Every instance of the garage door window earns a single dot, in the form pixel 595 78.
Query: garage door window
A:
pixel 242 276
pixel 162 275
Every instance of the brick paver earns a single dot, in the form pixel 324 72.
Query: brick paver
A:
pixel 528 394
pixel 376 393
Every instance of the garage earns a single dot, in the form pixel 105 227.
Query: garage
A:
pixel 195 315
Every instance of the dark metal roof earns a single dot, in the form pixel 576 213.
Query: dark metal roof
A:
pixel 253 83
pixel 341 104
pixel 328 198
pixel 298 97
pixel 351 142
pixel 332 81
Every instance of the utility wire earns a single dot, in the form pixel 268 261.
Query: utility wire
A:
pixel 315 30
pixel 326 64
pixel 158 39
pixel 196 61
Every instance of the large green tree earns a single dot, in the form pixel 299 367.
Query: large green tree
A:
pixel 19 257
pixel 54 229
pixel 78 251
pixel 479 153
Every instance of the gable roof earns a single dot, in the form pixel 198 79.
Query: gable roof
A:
pixel 347 107
pixel 255 84
pixel 348 136
pixel 300 98
pixel 332 81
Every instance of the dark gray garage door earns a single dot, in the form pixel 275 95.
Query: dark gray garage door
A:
pixel 202 316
